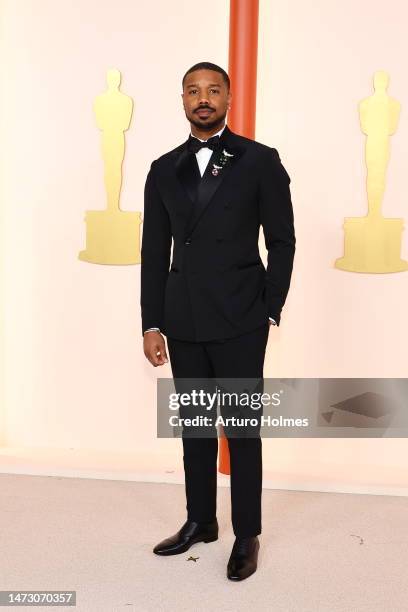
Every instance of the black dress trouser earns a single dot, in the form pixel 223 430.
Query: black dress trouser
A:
pixel 239 357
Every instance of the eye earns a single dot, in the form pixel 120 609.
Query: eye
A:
pixel 215 90
pixel 192 90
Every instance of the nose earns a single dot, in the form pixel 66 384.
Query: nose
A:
pixel 203 101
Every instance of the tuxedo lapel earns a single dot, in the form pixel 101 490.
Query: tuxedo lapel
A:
pixel 188 172
pixel 202 190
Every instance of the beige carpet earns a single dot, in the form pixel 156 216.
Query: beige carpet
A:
pixel 319 552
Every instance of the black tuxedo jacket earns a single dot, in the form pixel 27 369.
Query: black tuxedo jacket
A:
pixel 216 285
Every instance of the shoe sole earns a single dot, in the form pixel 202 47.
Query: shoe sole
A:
pixel 236 579
pixel 185 548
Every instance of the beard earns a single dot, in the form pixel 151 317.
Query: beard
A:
pixel 206 125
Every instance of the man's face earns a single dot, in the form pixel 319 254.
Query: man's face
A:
pixel 205 99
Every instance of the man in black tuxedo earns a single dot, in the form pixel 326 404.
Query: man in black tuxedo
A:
pixel 215 302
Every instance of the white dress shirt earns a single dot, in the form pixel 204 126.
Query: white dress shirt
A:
pixel 203 157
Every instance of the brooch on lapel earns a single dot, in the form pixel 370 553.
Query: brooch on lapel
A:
pixel 223 160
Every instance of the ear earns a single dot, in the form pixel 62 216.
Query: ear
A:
pixel 229 99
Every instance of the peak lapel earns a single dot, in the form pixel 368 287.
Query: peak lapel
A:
pixel 188 173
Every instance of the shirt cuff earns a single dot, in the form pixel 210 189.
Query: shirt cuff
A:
pixel 273 321
pixel 151 329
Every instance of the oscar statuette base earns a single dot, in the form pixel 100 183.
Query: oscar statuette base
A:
pixel 112 237
pixel 372 244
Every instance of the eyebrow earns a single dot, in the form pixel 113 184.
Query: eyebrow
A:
pixel 210 85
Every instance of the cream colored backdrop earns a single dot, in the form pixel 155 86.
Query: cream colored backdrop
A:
pixel 74 371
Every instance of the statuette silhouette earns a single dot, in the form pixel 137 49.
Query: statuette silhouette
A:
pixel 373 243
pixel 113 235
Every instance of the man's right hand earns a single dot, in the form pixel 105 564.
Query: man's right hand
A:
pixel 154 348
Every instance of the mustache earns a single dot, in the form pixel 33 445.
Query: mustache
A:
pixel 203 108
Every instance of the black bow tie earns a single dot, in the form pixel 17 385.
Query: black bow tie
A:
pixel 195 145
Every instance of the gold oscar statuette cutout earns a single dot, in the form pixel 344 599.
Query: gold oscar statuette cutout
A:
pixel 112 235
pixel 373 243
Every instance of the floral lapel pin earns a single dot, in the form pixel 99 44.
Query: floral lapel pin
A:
pixel 225 156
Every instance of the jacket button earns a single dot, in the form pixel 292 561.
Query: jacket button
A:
pixel 219 239
pixel 188 241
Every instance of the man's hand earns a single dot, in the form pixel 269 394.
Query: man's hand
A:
pixel 155 348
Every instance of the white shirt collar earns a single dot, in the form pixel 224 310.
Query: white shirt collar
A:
pixel 217 134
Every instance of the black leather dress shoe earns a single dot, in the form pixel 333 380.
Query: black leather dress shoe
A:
pixel 190 533
pixel 244 558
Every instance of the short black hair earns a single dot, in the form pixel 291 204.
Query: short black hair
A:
pixel 208 66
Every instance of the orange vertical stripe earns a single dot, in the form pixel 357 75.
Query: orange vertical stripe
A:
pixel 242 70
